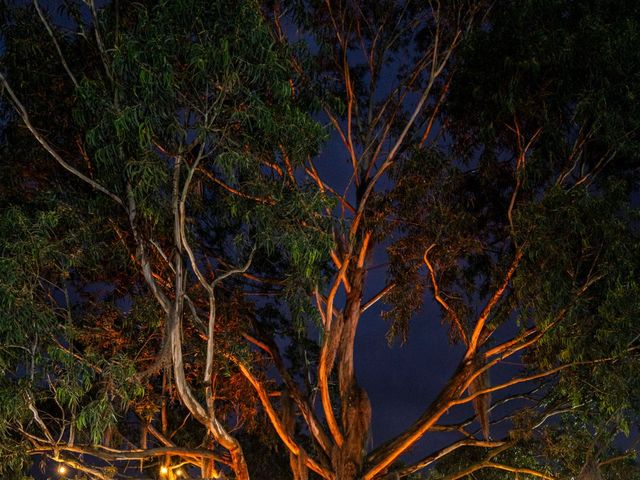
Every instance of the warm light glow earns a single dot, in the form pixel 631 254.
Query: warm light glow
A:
pixel 179 473
pixel 62 469
pixel 164 470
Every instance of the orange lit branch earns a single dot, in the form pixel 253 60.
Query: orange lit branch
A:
pixel 436 293
pixel 336 126
pixel 512 349
pixel 510 383
pixel 338 264
pixel 484 316
pixel 526 471
pixel 510 343
pixel 277 423
pixel 498 466
pixel 529 378
pixel 313 173
pixel 520 165
pixel 449 397
pixel 434 114
pixel 627 455
pixel 327 355
pixel 214 179
pixel 377 297
pixel 287 164
pixel 312 422
pixel 364 249
pixel 381 458
pixel 425 462
pixel 507 346
pixel 350 102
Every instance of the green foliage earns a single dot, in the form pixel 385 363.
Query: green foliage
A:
pixel 201 81
pixel 562 66
pixel 556 76
pixel 588 248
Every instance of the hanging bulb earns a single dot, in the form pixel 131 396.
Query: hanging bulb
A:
pixel 164 470
pixel 62 469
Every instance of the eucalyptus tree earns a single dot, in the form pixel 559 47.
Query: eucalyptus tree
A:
pixel 161 133
pixel 491 155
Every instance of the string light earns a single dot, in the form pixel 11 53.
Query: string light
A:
pixel 62 469
pixel 164 470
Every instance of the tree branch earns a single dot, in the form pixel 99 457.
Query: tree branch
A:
pixel 436 293
pixel 486 312
pixel 24 116
pixel 434 457
pixel 378 296
pixel 308 414
pixel 280 429
pixel 55 42
pixel 114 455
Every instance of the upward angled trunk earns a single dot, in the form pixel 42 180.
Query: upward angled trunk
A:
pixel 217 430
pixel 382 457
pixel 356 408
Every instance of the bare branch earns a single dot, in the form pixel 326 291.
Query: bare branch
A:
pixel 434 457
pixel 279 427
pixel 436 293
pixel 142 253
pixel 76 465
pixel 378 296
pixel 55 42
pixel 22 112
pixel 486 312
pixel 99 42
pixel 40 422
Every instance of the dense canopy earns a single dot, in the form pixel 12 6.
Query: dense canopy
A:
pixel 209 207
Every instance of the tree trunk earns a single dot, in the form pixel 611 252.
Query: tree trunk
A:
pixel 356 419
pixel 356 409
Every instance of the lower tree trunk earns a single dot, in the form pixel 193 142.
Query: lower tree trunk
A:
pixel 354 402
pixel 238 463
pixel 356 420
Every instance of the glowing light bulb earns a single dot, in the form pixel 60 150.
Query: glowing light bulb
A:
pixel 62 469
pixel 179 473
pixel 164 470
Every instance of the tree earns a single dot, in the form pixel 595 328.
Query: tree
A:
pixel 470 192
pixel 180 104
pixel 491 159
